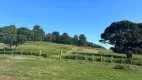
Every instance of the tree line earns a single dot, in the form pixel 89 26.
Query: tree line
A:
pixel 13 37
pixel 125 36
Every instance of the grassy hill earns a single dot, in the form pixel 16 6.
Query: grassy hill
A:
pixel 53 51
pixel 87 64
pixel 54 48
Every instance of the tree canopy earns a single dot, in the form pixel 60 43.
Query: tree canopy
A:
pixel 13 37
pixel 38 33
pixel 125 36
pixel 9 36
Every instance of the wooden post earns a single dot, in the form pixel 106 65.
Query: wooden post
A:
pixel 31 52
pixel 12 52
pixel 4 51
pixel 93 57
pixel 21 52
pixel 47 55
pixel 112 59
pixel 101 58
pixel 121 60
pixel 76 56
pixel 40 53
pixel 60 54
pixel 85 57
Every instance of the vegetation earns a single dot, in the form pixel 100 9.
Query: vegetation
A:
pixel 73 58
pixel 13 37
pixel 70 52
pixel 126 37
pixel 37 68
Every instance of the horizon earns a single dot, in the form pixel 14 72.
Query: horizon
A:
pixel 73 17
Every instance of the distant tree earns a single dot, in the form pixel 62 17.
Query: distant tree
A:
pixel 25 31
pixel 75 40
pixel 48 37
pixel 65 39
pixel 56 37
pixel 124 35
pixel 82 40
pixel 10 37
pixel 39 34
pixel 90 44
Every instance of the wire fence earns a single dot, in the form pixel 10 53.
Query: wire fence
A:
pixel 73 56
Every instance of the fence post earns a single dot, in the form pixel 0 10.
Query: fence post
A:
pixel 21 52
pixel 112 59
pixel 101 58
pixel 76 56
pixel 85 56
pixel 31 52
pixel 4 51
pixel 40 53
pixel 92 57
pixel 60 54
pixel 121 60
pixel 47 55
pixel 12 52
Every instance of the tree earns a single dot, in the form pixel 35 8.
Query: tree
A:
pixel 75 40
pixel 10 37
pixel 82 40
pixel 48 37
pixel 28 33
pixel 56 37
pixel 125 36
pixel 39 34
pixel 65 39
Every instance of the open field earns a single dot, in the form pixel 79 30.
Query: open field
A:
pixel 76 63
pixel 38 68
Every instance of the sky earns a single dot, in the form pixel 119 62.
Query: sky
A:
pixel 89 17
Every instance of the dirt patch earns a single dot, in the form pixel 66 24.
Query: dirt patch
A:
pixel 12 78
pixel 2 68
pixel 22 58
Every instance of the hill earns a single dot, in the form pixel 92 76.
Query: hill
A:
pixel 76 63
pixel 56 51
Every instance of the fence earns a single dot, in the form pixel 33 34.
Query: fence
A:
pixel 74 56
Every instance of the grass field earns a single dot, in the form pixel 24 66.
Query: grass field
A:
pixel 52 50
pixel 50 67
pixel 38 68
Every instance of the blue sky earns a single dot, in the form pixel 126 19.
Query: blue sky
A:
pixel 89 17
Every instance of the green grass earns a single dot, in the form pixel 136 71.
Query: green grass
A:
pixel 24 68
pixel 52 50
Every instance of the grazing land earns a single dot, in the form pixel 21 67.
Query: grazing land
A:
pixel 35 67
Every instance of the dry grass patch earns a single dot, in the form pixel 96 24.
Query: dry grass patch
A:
pixel 12 78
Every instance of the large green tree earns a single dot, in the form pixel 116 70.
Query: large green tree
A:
pixel 65 39
pixel 82 40
pixel 75 40
pixel 39 34
pixel 10 37
pixel 56 38
pixel 125 36
pixel 28 33
pixel 48 37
